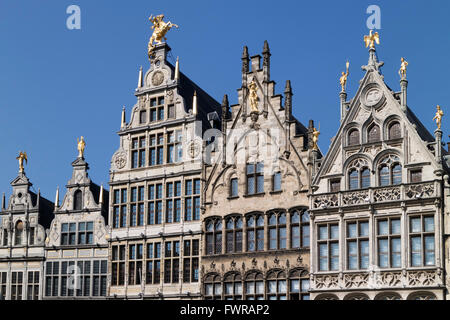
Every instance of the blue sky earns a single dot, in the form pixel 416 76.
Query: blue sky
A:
pixel 57 84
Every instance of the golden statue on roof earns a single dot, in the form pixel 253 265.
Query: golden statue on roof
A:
pixel 402 71
pixel 438 117
pixel 81 147
pixel 371 39
pixel 253 96
pixel 343 78
pixel 22 156
pixel 315 138
pixel 160 28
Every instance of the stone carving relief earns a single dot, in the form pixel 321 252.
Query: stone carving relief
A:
pixel 422 190
pixel 386 194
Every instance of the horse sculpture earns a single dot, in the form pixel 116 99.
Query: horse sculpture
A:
pixel 160 28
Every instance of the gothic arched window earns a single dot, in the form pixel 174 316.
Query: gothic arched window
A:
pixel 394 130
pixel 232 287
pixel 298 285
pixel 255 232
pixel 277 231
pixel 373 134
pixel 214 236
pixel 213 287
pixel 353 137
pixel 77 200
pixel 234 234
pixel 358 174
pixel 254 286
pixel 276 286
pixel 390 171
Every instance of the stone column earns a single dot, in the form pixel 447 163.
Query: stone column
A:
pixel 343 98
pixel 404 86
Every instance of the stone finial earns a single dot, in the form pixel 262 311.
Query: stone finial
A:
pixel 100 200
pixel 140 77
pixel 245 60
pixel 225 107
pixel 194 104
pixel 266 49
pixel 57 198
pixel 177 70
pixel 123 122
pixel 288 100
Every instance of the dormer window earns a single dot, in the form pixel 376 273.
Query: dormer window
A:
pixel 78 200
pixel 18 233
pixel 143 117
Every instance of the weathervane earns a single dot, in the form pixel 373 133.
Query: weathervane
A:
pixel 160 28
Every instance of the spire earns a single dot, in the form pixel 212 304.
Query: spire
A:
pixel 245 60
pixel 140 78
pixel 123 124
pixel 288 100
pixel 177 70
pixel 266 53
pixel 194 104
pixel 57 198
pixel 225 108
pixel 101 195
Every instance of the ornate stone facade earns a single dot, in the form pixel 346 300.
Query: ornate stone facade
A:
pixel 376 205
pixel 256 222
pixel 23 225
pixel 155 218
pixel 76 248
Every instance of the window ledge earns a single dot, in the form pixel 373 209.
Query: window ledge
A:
pixel 276 192
pixel 254 194
pixel 233 197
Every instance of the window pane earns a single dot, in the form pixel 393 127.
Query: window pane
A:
pixel 395 226
pixel 334 232
pixel 365 178
pixel 384 176
pixel 323 232
pixel 415 224
pixel 351 229
pixel 428 224
pixel 429 250
pixel 383 253
pixel 396 253
pixel 364 229
pixel 383 227
pixel 364 254
pixel 416 251
pixel 353 180
pixel 397 174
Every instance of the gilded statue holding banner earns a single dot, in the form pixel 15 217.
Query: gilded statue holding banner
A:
pixel 253 87
pixel 160 28
pixel 438 117
pixel 344 76
pixel 81 147
pixel 22 156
